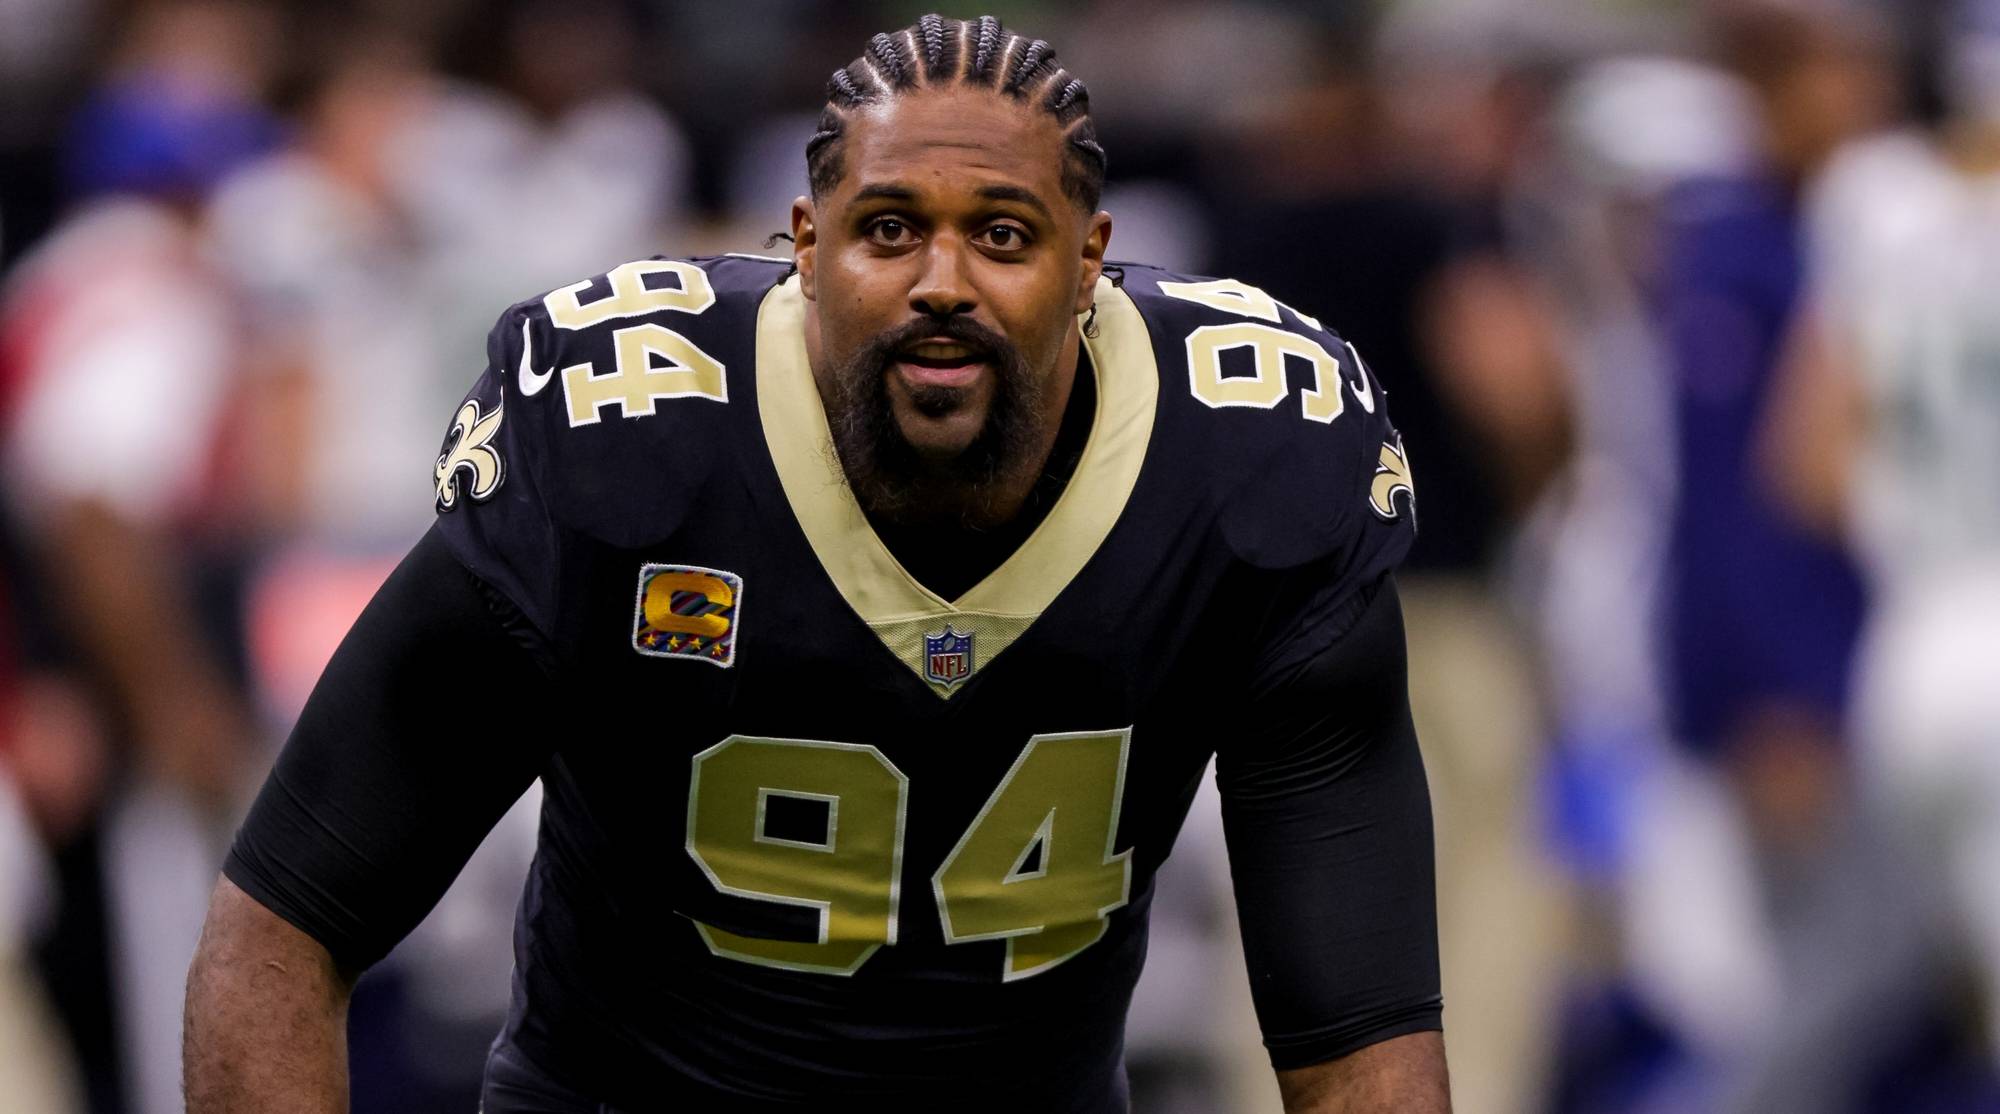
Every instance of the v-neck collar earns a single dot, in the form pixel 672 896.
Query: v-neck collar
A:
pixel 913 622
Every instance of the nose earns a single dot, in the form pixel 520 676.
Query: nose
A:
pixel 943 288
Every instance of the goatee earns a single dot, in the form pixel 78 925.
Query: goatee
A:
pixel 892 481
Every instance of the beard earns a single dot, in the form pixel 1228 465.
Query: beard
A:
pixel 893 482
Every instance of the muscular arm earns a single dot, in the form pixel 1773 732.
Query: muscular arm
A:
pixel 1328 820
pixel 266 1024
pixel 425 727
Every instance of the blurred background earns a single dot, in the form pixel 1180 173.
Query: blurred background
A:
pixel 1691 316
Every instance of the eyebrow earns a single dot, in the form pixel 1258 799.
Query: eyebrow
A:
pixel 897 192
pixel 1016 193
pixel 892 192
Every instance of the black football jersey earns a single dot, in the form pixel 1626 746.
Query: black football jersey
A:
pixel 810 828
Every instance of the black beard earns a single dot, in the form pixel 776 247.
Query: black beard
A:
pixel 892 481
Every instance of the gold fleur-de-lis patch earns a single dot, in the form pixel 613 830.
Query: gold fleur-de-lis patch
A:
pixel 470 451
pixel 1392 474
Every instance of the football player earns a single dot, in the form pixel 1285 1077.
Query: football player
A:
pixel 869 617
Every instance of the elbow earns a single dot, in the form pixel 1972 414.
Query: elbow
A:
pixel 246 949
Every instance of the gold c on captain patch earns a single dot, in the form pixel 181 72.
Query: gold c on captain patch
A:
pixel 687 611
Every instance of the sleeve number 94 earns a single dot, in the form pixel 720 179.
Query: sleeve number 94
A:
pixel 651 361
pixel 1265 386
pixel 1036 868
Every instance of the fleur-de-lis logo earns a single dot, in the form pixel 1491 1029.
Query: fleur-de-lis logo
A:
pixel 1392 474
pixel 470 451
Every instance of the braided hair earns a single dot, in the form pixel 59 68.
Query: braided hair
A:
pixel 936 52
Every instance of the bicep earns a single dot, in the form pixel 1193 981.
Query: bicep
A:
pixel 421 732
pixel 1328 821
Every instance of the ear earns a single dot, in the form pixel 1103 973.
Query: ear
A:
pixel 805 246
pixel 1095 240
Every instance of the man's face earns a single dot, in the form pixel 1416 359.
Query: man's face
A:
pixel 946 269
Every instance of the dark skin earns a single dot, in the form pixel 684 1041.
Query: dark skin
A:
pixel 952 202
pixel 266 1020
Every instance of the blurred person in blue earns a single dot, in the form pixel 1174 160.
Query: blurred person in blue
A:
pixel 120 351
pixel 1373 181
pixel 1762 614
pixel 1625 132
pixel 1889 436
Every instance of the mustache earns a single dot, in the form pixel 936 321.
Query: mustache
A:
pixel 955 327
pixel 890 479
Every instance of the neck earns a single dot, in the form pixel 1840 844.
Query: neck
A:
pixel 950 559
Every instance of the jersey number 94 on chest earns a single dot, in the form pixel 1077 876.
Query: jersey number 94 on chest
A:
pixel 821 826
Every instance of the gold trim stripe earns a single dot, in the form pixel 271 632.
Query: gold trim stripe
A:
pixel 1001 607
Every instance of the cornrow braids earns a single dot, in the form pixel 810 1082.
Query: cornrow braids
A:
pixel 1061 99
pixel 886 52
pixel 930 32
pixel 1025 65
pixel 987 40
pixel 931 53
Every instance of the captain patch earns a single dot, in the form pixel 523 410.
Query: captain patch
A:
pixel 685 611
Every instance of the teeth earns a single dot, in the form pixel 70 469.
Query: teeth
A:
pixel 941 351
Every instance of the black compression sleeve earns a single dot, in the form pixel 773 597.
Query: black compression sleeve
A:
pixel 419 735
pixel 1328 820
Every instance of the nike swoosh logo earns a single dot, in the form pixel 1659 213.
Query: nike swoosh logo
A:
pixel 531 380
pixel 1364 392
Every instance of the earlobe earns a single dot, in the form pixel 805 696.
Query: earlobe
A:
pixel 805 246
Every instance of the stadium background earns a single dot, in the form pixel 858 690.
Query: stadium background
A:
pixel 1714 754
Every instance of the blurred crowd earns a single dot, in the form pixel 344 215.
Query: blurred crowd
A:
pixel 1690 312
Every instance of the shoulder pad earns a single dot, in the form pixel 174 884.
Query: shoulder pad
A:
pixel 1289 425
pixel 603 412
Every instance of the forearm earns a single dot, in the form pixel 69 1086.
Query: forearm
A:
pixel 1402 1075
pixel 266 1025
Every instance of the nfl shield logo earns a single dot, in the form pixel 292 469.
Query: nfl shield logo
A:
pixel 947 657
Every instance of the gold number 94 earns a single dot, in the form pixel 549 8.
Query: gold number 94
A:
pixel 1035 868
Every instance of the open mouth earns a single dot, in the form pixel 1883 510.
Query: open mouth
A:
pixel 941 363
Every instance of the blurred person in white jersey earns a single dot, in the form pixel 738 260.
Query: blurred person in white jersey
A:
pixel 340 300
pixel 1889 432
